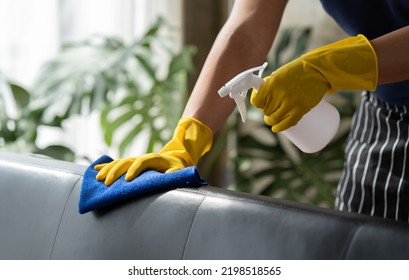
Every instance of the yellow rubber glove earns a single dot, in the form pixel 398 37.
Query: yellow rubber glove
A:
pixel 190 141
pixel 295 88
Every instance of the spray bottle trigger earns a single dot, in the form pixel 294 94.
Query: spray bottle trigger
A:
pixel 237 87
pixel 240 100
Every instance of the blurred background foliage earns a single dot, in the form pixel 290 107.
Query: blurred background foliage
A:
pixel 124 83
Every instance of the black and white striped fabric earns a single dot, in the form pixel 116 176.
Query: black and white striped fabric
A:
pixel 375 180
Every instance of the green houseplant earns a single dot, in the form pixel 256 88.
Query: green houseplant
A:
pixel 18 129
pixel 124 82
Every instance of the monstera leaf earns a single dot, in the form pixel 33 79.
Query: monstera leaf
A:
pixel 154 109
pixel 124 82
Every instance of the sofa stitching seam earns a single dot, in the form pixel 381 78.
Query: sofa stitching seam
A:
pixel 62 215
pixel 191 228
pixel 350 239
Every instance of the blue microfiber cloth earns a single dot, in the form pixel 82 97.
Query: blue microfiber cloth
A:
pixel 95 194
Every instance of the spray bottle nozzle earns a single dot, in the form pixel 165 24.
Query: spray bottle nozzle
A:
pixel 237 87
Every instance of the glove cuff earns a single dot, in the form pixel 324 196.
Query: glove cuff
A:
pixel 374 58
pixel 191 140
pixel 350 63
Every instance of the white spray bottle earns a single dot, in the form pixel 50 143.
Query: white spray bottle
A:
pixel 311 134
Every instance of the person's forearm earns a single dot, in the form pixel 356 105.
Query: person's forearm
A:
pixel 244 42
pixel 393 59
pixel 226 59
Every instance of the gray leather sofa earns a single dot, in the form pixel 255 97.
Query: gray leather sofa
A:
pixel 39 220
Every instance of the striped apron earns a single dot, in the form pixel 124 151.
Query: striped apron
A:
pixel 375 179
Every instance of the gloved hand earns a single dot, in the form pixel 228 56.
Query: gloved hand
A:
pixel 295 88
pixel 190 141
